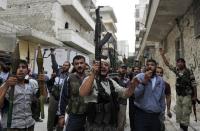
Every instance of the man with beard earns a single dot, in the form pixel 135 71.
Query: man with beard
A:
pixel 101 98
pixel 186 90
pixel 55 84
pixel 149 99
pixel 135 70
pixel 70 96
pixel 23 94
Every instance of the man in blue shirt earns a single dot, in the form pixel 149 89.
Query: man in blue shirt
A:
pixel 149 99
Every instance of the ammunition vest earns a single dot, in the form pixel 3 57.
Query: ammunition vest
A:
pixel 183 83
pixel 76 103
pixel 105 111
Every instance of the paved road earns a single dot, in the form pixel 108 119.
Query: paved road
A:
pixel 170 124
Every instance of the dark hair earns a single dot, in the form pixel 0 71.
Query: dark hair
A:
pixel 180 59
pixel 23 62
pixel 152 60
pixel 160 68
pixel 78 57
pixel 67 63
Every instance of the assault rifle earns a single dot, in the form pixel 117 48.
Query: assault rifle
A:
pixel 97 40
pixel 99 44
pixel 194 107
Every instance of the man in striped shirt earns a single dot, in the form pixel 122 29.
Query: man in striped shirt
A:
pixel 23 94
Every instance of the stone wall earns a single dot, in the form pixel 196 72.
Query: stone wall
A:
pixel 36 15
pixel 191 50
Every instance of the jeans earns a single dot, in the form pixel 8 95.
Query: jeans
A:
pixel 145 121
pixel 76 122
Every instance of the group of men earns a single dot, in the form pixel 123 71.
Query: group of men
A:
pixel 96 102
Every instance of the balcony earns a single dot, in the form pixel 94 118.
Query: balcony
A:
pixel 38 37
pixel 74 40
pixel 3 4
pixel 78 12
pixel 165 14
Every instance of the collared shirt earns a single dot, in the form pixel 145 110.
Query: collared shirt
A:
pixel 153 81
pixel 22 114
pixel 151 100
pixel 105 84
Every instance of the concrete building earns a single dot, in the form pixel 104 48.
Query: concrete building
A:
pixel 123 49
pixel 140 18
pixel 63 23
pixel 174 26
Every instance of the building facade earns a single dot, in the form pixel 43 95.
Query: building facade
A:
pixel 65 24
pixel 123 49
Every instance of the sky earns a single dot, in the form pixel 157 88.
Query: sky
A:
pixel 125 12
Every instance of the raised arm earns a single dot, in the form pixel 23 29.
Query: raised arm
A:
pixel 54 62
pixel 87 85
pixel 163 57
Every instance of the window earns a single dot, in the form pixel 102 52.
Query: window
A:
pixel 197 18
pixel 137 39
pixel 137 26
pixel 66 25
pixel 137 13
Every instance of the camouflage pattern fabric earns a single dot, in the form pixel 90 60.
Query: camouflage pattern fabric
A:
pixel 183 109
pixel 185 81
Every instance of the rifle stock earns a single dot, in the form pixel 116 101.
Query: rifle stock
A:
pixel 41 83
pixel 15 62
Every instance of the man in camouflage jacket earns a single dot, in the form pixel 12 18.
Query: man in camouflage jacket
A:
pixel 185 89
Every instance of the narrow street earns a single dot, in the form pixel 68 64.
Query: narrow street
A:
pixel 170 124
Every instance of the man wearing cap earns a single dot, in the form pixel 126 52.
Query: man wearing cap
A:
pixel 185 89
pixel 101 98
